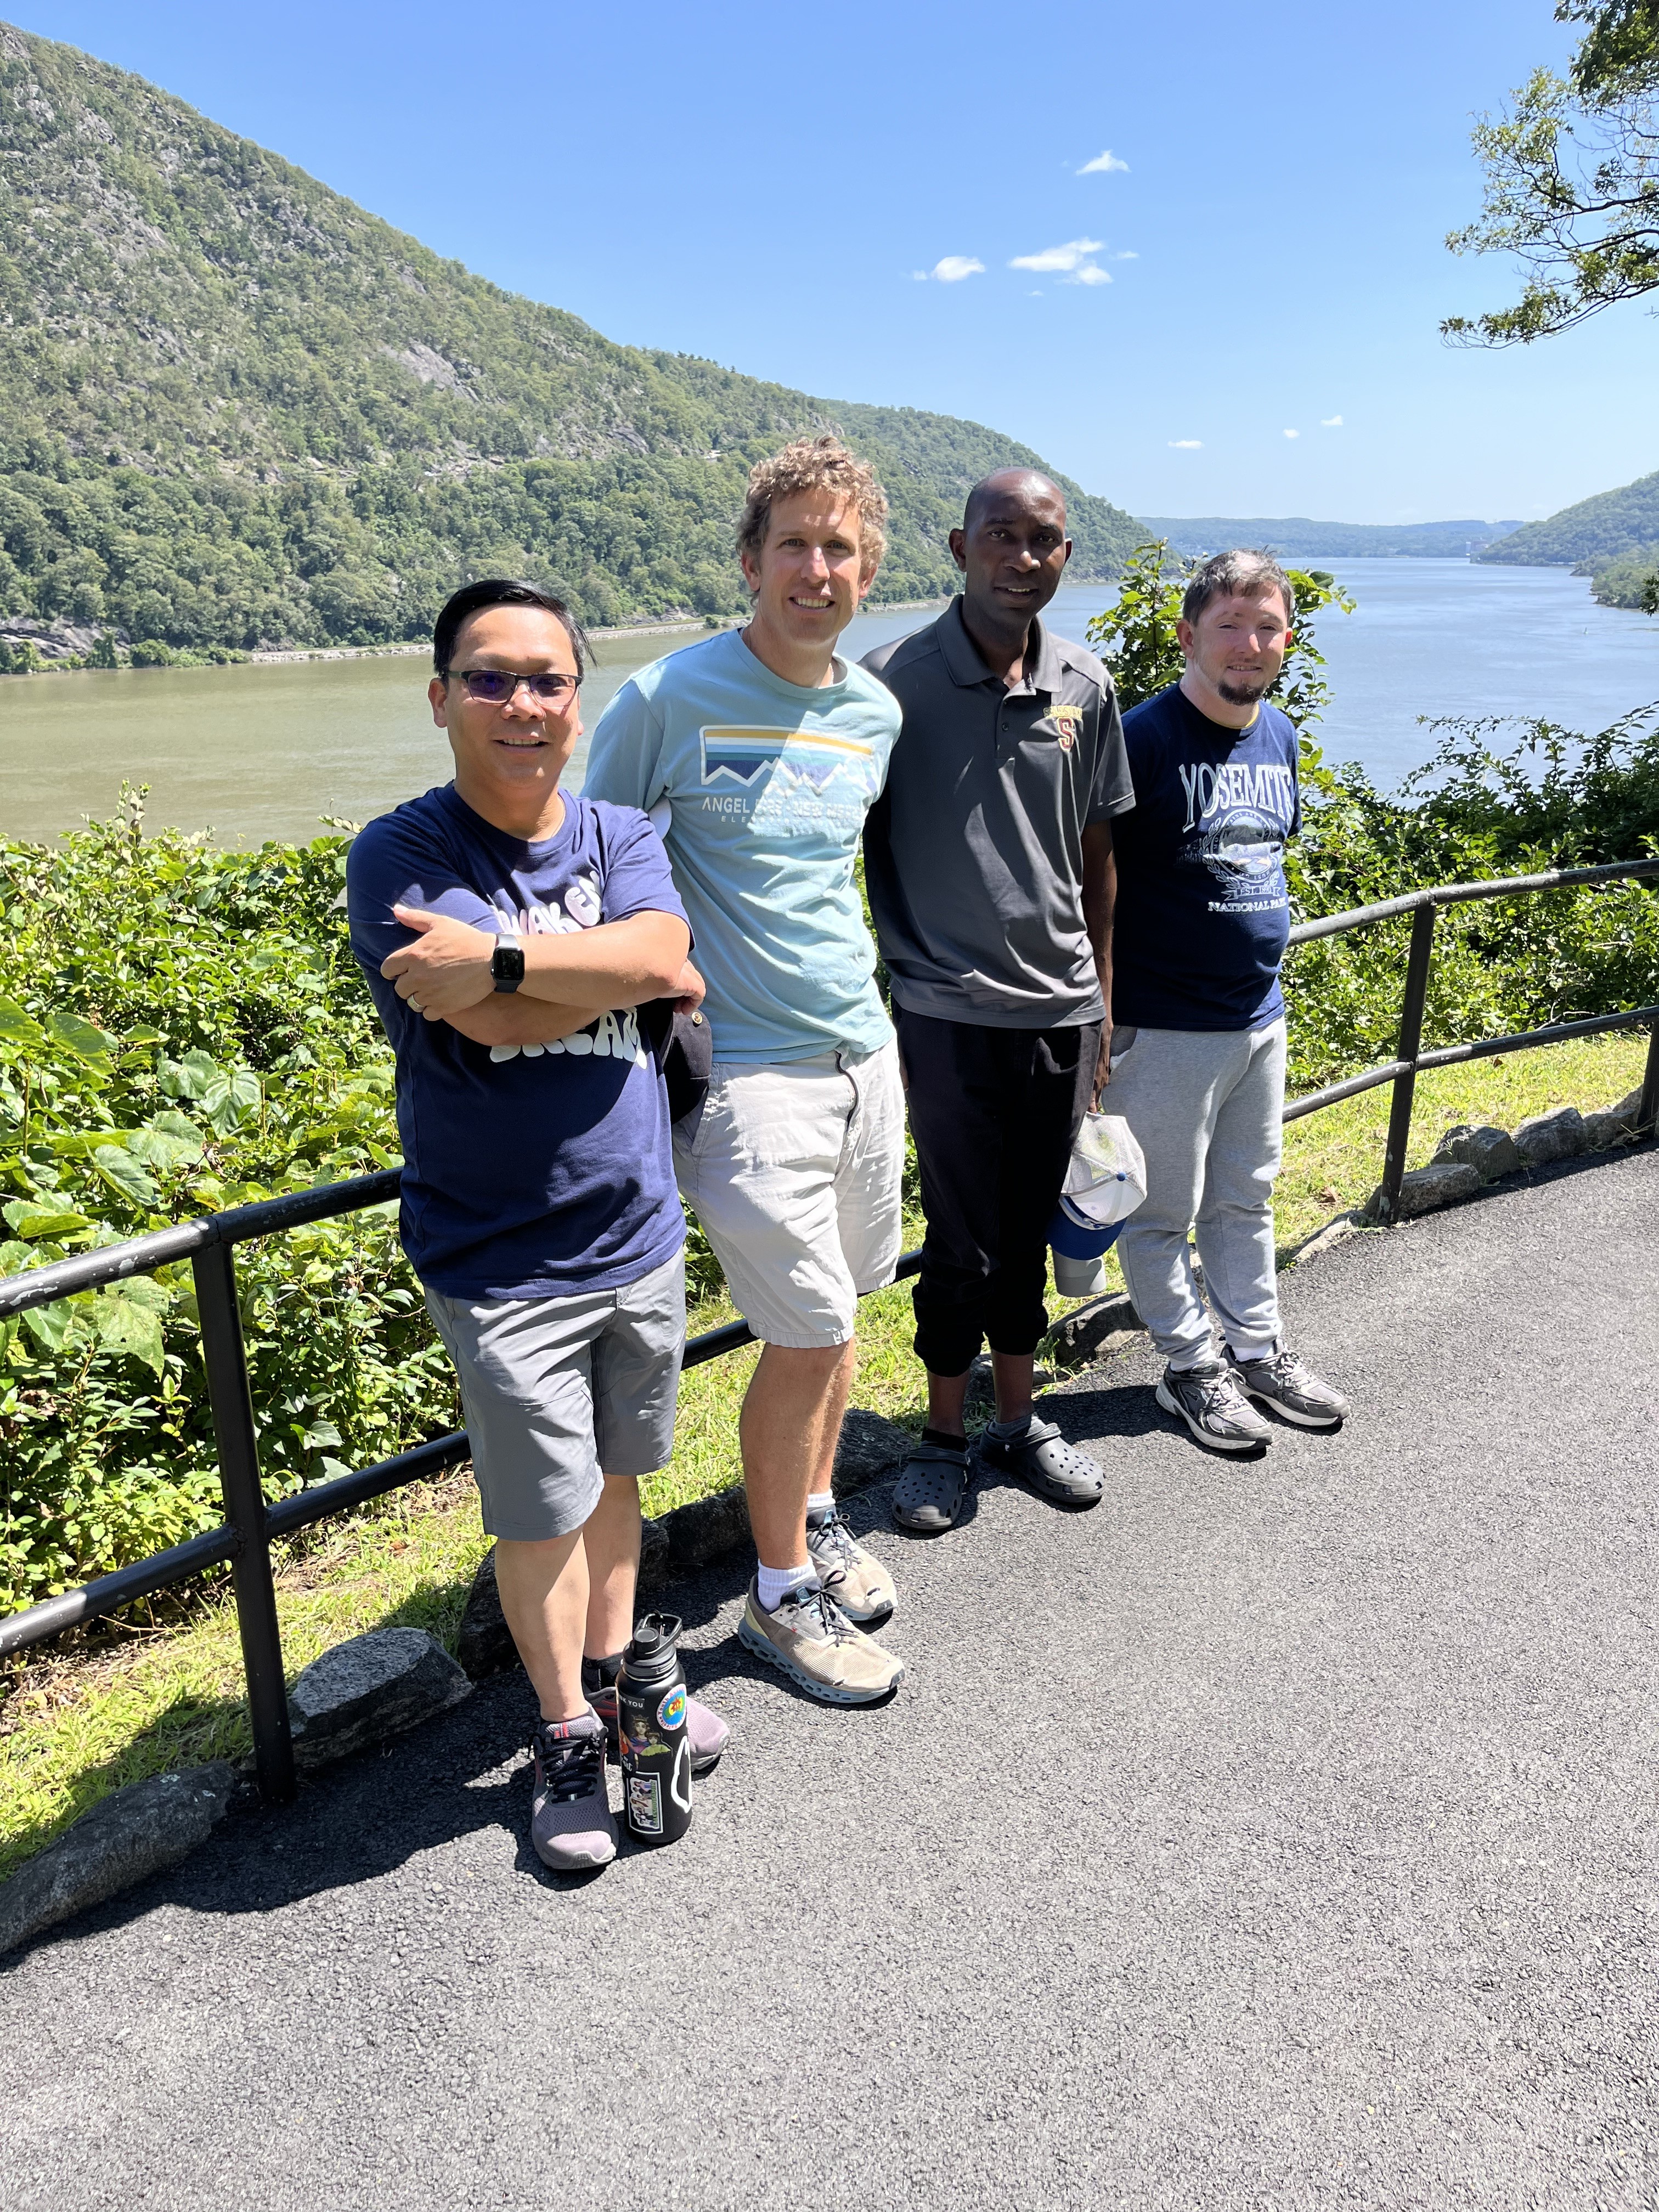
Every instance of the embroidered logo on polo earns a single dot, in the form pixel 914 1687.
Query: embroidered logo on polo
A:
pixel 1070 720
pixel 738 756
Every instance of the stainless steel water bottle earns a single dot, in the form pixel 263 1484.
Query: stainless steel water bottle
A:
pixel 656 1751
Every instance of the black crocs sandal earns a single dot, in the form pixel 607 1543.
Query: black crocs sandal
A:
pixel 1045 1463
pixel 931 1488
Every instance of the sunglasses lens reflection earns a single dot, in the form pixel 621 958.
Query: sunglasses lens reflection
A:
pixel 495 685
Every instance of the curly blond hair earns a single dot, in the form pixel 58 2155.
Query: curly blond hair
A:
pixel 821 464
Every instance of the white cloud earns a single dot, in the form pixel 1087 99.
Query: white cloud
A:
pixel 1293 434
pixel 1127 254
pixel 1330 421
pixel 1102 163
pixel 954 267
pixel 1090 273
pixel 1185 445
pixel 1055 259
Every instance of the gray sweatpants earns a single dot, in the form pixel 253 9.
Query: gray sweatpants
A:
pixel 1206 1106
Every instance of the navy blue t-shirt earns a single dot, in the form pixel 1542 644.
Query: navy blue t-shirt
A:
pixel 1202 913
pixel 529 1172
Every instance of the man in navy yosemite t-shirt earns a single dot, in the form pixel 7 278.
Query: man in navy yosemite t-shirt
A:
pixel 510 933
pixel 1198 1018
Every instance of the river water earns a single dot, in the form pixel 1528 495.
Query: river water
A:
pixel 256 752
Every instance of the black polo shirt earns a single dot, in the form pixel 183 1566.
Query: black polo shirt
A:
pixel 974 851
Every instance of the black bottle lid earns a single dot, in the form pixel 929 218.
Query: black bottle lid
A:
pixel 653 1652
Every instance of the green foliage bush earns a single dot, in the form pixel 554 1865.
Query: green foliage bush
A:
pixel 183 1029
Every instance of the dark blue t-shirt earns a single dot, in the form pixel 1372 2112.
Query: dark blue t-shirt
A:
pixel 532 1172
pixel 1202 913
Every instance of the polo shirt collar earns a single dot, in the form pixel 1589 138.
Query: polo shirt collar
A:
pixel 961 655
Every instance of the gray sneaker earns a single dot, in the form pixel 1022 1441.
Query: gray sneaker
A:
pixel 1289 1386
pixel 811 1639
pixel 861 1586
pixel 571 1823
pixel 1214 1408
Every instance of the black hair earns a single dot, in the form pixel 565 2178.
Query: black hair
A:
pixel 500 591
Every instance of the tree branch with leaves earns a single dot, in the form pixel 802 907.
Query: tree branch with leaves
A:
pixel 1572 181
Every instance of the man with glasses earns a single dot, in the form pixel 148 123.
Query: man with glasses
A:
pixel 764 751
pixel 511 932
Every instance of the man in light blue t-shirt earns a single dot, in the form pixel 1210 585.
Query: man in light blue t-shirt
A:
pixel 758 753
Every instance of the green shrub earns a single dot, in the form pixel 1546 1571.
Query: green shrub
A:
pixel 183 1029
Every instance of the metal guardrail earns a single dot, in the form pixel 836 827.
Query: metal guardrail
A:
pixel 251 1522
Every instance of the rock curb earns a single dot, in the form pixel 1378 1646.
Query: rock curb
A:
pixel 126 1837
pixel 1468 1160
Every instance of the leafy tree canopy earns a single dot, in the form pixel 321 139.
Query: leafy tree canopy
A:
pixel 1572 179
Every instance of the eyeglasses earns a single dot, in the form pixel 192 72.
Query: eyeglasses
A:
pixel 493 687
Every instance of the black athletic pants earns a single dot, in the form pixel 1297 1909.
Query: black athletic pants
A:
pixel 994 1113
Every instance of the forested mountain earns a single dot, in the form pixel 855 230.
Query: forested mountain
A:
pixel 236 409
pixel 1297 538
pixel 1589 534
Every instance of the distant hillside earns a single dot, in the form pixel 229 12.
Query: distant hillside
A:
pixel 1299 539
pixel 234 408
pixel 1589 535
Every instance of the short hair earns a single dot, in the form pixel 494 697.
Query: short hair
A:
pixel 822 463
pixel 500 591
pixel 1247 572
pixel 981 493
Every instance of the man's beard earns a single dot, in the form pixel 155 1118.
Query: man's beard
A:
pixel 1242 695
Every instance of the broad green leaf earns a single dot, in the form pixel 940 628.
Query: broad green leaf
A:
pixel 229 1098
pixel 30 1218
pixel 187 1078
pixel 83 1040
pixel 14 1258
pixel 50 1325
pixel 119 1167
pixel 125 1324
pixel 320 1433
pixel 169 1124
pixel 17 1027
pixel 143 1035
pixel 162 1149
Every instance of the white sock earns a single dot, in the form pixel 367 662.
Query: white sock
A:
pixel 774 1584
pixel 821 1501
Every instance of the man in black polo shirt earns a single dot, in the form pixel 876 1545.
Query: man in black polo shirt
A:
pixel 989 863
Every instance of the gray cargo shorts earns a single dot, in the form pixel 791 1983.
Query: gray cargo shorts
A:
pixel 558 1392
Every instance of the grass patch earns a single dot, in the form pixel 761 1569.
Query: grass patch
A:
pixel 129 1701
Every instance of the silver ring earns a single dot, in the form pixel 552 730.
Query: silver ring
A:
pixel 416 1004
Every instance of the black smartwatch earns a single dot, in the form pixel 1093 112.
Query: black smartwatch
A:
pixel 506 962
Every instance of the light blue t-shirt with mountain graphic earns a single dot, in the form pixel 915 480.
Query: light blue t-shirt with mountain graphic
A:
pixel 760 789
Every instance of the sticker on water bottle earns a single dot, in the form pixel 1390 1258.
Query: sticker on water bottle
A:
pixel 671 1713
pixel 645 1804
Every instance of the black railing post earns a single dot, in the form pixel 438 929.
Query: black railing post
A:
pixel 1648 1110
pixel 1411 1040
pixel 214 1269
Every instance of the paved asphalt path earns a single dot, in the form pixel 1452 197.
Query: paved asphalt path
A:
pixel 1278 1834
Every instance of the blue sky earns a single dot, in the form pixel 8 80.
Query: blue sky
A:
pixel 761 185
